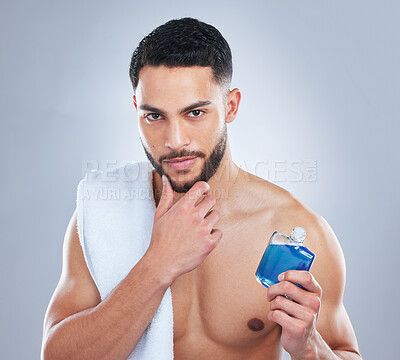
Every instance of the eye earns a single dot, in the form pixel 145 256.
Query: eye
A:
pixel 157 116
pixel 197 112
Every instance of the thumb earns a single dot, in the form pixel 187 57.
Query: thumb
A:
pixel 166 199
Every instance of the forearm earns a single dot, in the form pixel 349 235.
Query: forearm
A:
pixel 320 350
pixel 112 329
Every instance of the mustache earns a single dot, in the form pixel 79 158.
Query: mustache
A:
pixel 181 154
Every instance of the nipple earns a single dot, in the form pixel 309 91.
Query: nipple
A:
pixel 255 324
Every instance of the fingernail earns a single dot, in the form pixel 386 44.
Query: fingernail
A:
pixel 281 276
pixel 163 179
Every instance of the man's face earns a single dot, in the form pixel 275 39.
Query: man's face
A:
pixel 181 113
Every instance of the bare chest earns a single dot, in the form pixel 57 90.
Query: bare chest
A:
pixel 220 310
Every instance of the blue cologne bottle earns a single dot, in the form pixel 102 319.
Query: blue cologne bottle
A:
pixel 284 253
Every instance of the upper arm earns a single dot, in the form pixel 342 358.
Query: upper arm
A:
pixel 76 290
pixel 329 270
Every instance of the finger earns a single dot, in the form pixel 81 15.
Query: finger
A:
pixel 283 319
pixel 292 308
pixel 195 192
pixel 205 205
pixel 305 279
pixel 212 218
pixel 216 235
pixel 166 199
pixel 300 296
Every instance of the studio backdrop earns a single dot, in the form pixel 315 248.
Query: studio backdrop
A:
pixel 320 94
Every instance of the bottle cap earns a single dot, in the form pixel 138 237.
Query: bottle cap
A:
pixel 298 234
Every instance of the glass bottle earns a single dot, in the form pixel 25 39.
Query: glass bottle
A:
pixel 284 253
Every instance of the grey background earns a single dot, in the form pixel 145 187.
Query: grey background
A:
pixel 319 81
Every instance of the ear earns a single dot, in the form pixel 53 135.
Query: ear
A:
pixel 232 105
pixel 134 101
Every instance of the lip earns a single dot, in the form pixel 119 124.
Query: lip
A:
pixel 180 164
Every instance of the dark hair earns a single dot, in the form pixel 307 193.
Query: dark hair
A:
pixel 184 42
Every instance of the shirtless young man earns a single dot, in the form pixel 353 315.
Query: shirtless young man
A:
pixel 205 246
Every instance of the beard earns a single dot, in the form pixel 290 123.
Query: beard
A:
pixel 210 166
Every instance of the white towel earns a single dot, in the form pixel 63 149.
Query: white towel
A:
pixel 115 221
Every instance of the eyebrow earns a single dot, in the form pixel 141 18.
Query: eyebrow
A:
pixel 186 109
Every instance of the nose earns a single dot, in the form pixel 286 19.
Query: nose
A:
pixel 176 135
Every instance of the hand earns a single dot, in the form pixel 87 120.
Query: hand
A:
pixel 183 233
pixel 298 317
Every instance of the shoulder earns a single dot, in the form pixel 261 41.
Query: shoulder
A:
pixel 282 211
pixel 329 268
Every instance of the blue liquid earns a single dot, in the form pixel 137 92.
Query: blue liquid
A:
pixel 278 258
